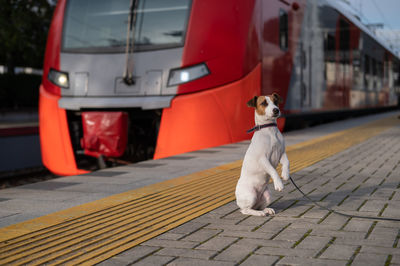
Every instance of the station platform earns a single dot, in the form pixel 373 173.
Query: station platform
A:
pixel 181 210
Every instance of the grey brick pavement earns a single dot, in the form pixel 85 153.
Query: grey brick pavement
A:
pixel 363 180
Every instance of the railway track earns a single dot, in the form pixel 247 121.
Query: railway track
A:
pixel 25 176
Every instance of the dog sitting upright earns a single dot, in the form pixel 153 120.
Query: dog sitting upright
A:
pixel 266 150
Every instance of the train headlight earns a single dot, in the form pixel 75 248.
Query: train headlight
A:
pixel 59 78
pixel 183 75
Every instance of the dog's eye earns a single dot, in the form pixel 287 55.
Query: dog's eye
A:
pixel 264 103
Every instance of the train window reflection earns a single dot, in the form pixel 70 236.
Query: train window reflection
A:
pixel 94 26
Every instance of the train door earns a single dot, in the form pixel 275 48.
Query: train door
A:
pixel 344 73
pixel 309 42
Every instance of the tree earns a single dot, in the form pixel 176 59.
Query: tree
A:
pixel 23 31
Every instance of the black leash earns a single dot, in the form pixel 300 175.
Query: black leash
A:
pixel 340 213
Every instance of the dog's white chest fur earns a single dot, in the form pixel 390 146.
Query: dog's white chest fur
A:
pixel 266 143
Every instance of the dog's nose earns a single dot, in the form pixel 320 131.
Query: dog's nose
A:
pixel 275 111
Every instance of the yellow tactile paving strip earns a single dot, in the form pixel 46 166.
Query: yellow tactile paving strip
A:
pixel 96 231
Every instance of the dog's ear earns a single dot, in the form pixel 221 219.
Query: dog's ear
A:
pixel 277 99
pixel 252 102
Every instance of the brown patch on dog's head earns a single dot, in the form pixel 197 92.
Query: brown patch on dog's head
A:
pixel 259 103
pixel 276 99
pixel 252 102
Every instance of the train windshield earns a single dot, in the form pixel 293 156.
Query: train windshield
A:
pixel 101 25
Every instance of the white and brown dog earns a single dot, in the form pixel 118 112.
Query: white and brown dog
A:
pixel 266 150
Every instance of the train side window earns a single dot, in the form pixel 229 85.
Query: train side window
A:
pixel 283 30
pixel 366 72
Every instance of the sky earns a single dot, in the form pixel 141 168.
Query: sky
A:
pixel 386 12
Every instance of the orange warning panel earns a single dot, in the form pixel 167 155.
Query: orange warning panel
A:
pixel 56 148
pixel 209 118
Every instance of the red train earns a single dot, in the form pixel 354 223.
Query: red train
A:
pixel 128 80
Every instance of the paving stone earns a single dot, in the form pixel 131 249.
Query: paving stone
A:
pixel 230 227
pixel 253 221
pixel 316 213
pixel 335 221
pixel 392 210
pixel 291 234
pixel 254 260
pixel 198 262
pixel 170 236
pixel 130 256
pixel 244 234
pixel 363 190
pixel 217 243
pixel 266 243
pixel 217 220
pixel 383 193
pixel 235 216
pixel 296 252
pixel 380 250
pixel 155 260
pixel 275 225
pixel 338 251
pixel 235 253
pixel 358 225
pixel 281 205
pixel 187 253
pixel 295 210
pixel 351 204
pixel 396 196
pixel 114 262
pixel 395 260
pixel 209 215
pixel 305 223
pixel 169 243
pixel 373 205
pixel 363 259
pixel 307 261
pixel 314 242
pixel 381 242
pixel 388 224
pixel 188 228
pixel 201 235
pixel 226 209
pixel 320 231
pixel 384 233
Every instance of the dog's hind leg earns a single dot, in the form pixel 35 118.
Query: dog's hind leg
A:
pixel 247 203
pixel 265 200
pixel 252 212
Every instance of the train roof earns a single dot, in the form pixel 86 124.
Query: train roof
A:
pixel 338 6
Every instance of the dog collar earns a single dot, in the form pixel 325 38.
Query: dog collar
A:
pixel 258 127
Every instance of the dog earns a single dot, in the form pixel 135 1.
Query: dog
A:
pixel 266 150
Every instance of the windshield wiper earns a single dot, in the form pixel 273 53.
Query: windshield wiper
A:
pixel 128 77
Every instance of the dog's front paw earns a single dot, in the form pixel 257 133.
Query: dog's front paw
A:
pixel 278 185
pixel 285 175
